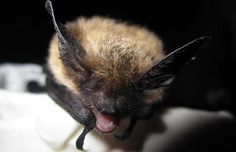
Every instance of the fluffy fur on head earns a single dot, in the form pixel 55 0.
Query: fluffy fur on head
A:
pixel 115 51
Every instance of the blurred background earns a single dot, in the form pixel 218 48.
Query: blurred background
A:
pixel 26 30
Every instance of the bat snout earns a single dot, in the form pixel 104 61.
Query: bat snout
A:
pixel 107 109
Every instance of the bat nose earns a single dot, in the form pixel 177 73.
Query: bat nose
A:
pixel 107 109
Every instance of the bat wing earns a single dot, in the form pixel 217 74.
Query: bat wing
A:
pixel 72 104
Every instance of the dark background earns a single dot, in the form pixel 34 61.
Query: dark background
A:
pixel 26 30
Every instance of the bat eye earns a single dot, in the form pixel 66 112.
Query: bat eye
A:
pixel 139 87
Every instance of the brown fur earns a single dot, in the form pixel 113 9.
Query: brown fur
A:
pixel 116 52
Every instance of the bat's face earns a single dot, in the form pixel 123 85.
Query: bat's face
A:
pixel 110 106
pixel 99 105
pixel 107 108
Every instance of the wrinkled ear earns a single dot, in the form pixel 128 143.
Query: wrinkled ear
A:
pixel 71 52
pixel 163 72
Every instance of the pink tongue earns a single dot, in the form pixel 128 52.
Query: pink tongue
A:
pixel 105 123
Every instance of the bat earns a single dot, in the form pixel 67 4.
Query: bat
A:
pixel 101 71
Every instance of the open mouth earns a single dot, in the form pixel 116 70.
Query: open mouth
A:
pixel 105 123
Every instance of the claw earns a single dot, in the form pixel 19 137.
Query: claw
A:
pixel 80 140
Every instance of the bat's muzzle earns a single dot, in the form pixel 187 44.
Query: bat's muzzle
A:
pixel 105 123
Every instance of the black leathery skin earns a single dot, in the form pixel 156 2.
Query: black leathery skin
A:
pixel 126 134
pixel 70 102
pixel 71 52
pixel 172 64
pixel 80 140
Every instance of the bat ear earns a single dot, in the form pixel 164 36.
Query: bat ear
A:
pixel 71 52
pixel 163 72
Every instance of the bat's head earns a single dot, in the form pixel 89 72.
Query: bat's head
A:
pixel 108 106
pixel 109 98
pixel 109 94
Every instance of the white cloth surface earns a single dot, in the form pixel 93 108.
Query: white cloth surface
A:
pixel 34 123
